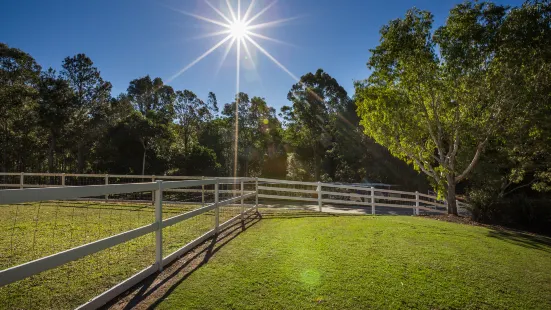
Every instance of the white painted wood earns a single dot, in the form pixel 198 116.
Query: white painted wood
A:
pixel 217 210
pixel 11 196
pixel 158 196
pixel 118 289
pixel 288 198
pixel 256 194
pixel 290 190
pixel 416 203
pixel 320 203
pixel 287 182
pixel 242 202
pixel 372 200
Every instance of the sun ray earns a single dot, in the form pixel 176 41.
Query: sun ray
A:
pixel 267 38
pixel 202 18
pixel 231 10
pixel 219 12
pixel 272 58
pixel 212 49
pixel 272 23
pixel 226 52
pixel 237 107
pixel 260 13
pixel 248 52
pixel 212 34
pixel 238 9
pixel 249 9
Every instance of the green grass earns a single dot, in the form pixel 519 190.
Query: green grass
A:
pixel 371 262
pixel 31 231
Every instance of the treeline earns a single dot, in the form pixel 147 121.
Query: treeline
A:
pixel 68 121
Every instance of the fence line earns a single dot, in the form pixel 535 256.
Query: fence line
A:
pixel 26 270
pixel 269 189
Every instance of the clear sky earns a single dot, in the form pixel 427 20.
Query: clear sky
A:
pixel 128 39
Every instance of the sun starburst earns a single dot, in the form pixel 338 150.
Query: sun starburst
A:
pixel 239 30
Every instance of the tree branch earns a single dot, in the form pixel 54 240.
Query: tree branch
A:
pixel 473 163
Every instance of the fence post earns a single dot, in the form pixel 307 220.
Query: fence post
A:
pixel 202 193
pixel 21 180
pixel 159 220
pixel 319 196
pixel 372 200
pixel 106 183
pixel 256 196
pixel 217 208
pixel 416 203
pixel 63 179
pixel 242 202
pixel 152 193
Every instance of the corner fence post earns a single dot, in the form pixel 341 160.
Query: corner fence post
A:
pixel 319 196
pixel 242 202
pixel 63 179
pixel 22 180
pixel 256 196
pixel 373 200
pixel 159 220
pixel 106 183
pixel 416 203
pixel 217 208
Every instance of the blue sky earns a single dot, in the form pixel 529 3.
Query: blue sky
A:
pixel 128 39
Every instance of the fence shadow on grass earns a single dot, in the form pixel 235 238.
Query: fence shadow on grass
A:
pixel 523 239
pixel 153 290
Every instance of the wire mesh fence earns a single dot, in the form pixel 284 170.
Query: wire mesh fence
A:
pixel 61 253
pixel 39 229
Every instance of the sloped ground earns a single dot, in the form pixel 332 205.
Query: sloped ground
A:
pixel 308 260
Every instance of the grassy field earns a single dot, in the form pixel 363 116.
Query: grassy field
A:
pixel 364 262
pixel 32 231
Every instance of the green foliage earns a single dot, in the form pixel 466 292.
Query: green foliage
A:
pixel 438 99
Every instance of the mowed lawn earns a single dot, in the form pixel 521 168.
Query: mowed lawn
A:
pixel 360 262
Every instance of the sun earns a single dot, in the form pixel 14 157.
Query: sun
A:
pixel 240 32
pixel 238 29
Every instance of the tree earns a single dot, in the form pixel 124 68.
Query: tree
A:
pixel 191 112
pixel 55 109
pixel 316 98
pixel 438 110
pixel 19 75
pixel 91 99
pixel 155 103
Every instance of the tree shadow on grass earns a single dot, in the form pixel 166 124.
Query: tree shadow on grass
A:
pixel 156 288
pixel 523 239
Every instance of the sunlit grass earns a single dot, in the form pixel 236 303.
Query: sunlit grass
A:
pixel 365 262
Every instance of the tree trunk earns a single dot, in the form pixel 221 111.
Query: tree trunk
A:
pixel 316 164
pixel 51 151
pixel 143 162
pixel 452 204
pixel 80 158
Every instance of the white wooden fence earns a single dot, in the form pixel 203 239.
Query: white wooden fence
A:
pixel 48 187
pixel 20 272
